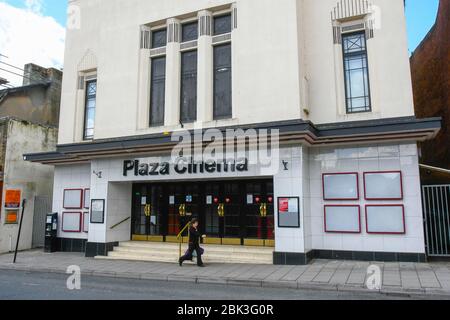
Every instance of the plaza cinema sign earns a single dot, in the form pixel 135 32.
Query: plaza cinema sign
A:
pixel 182 166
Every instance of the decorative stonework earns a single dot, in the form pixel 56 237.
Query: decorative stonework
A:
pixel 346 9
pixel 173 31
pixel 352 15
pixel 88 62
pixel 205 23
pixel 234 16
pixel 146 33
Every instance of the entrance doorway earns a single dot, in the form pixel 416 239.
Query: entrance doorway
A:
pixel 230 212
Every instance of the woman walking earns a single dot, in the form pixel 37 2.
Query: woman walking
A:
pixel 194 244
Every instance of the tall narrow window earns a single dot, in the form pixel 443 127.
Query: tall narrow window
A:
pixel 89 112
pixel 222 82
pixel 189 86
pixel 157 91
pixel 356 71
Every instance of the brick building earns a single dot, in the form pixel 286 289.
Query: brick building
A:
pixel 430 67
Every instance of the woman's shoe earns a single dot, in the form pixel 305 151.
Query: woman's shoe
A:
pixel 180 262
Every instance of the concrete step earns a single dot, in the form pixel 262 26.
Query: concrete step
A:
pixel 154 257
pixel 208 253
pixel 209 247
pixel 208 250
pixel 169 252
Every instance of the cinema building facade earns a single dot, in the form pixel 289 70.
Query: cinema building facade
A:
pixel 328 81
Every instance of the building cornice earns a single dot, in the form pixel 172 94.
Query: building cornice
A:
pixel 290 132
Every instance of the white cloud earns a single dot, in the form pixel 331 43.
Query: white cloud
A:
pixel 26 35
pixel 34 5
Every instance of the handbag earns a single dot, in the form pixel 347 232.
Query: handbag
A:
pixel 188 255
pixel 194 253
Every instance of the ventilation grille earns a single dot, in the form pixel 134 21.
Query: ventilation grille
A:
pixel 157 52
pixel 350 8
pixel 189 45
pixel 205 25
pixel 222 38
pixel 174 32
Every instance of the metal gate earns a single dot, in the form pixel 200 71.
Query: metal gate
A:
pixel 42 206
pixel 436 209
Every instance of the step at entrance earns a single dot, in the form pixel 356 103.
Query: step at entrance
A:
pixel 169 252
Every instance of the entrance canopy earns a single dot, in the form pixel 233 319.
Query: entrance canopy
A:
pixel 292 131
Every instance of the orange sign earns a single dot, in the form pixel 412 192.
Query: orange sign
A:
pixel 12 217
pixel 12 199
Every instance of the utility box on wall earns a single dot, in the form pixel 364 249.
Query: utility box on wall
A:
pixel 51 232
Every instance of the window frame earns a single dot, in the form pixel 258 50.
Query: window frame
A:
pixel 87 97
pixel 158 124
pixel 181 86
pixel 348 108
pixel 230 116
pixel 153 31
pixel 221 15
pixel 184 24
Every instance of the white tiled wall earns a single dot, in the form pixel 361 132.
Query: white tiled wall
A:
pixel 119 208
pixel 69 177
pixel 388 157
pixel 288 183
pixel 303 179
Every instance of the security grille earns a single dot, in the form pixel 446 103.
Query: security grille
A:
pixel 42 206
pixel 436 209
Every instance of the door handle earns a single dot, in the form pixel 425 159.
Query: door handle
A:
pixel 263 210
pixel 221 210
pixel 148 210
pixel 182 210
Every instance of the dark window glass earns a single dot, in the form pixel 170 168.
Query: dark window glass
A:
pixel 189 86
pixel 157 91
pixel 189 31
pixel 356 72
pixel 222 24
pixel 159 38
pixel 222 81
pixel 89 112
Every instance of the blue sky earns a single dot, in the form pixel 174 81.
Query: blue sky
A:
pixel 53 8
pixel 420 15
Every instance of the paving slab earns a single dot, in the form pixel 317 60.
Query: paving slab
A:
pixel 399 279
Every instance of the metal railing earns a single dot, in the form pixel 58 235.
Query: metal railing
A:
pixel 180 236
pixel 118 224
pixel 436 209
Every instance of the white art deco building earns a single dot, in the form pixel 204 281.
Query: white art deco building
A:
pixel 331 77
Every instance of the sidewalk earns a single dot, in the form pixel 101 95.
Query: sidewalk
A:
pixel 408 279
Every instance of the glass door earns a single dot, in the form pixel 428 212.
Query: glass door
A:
pixel 232 200
pixel 259 210
pixel 213 221
pixel 147 211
